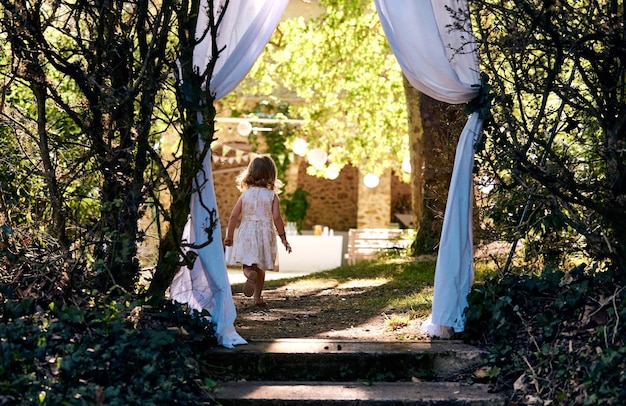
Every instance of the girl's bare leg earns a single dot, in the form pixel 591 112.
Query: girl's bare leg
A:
pixel 250 272
pixel 258 288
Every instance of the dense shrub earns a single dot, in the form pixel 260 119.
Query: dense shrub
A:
pixel 556 336
pixel 112 352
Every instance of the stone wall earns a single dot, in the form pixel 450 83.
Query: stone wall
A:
pixel 333 203
pixel 375 204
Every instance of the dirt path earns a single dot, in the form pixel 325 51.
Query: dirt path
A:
pixel 314 308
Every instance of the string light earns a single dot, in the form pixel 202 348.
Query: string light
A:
pixel 332 172
pixel 317 157
pixel 244 128
pixel 371 181
pixel 299 146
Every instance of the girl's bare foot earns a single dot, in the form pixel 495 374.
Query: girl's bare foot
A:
pixel 250 285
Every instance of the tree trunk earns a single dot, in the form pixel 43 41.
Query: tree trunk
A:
pixel 441 125
pixel 123 156
pixel 416 146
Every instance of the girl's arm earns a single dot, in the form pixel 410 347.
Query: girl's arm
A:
pixel 279 223
pixel 232 222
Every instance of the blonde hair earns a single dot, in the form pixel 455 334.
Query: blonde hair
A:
pixel 261 172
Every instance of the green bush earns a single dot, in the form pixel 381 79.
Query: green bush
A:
pixel 556 336
pixel 112 352
pixel 295 206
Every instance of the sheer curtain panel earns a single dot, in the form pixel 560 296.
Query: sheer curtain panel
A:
pixel 441 61
pixel 243 33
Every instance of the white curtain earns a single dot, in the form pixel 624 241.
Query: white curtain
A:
pixel 442 62
pixel 245 30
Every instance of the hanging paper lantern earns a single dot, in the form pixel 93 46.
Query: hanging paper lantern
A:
pixel 299 146
pixel 332 172
pixel 317 157
pixel 244 128
pixel 371 181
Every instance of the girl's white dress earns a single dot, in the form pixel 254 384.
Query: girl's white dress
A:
pixel 255 240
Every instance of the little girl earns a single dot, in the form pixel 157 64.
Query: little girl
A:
pixel 258 206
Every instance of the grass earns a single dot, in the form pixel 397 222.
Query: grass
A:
pixel 395 322
pixel 401 272
pixel 400 288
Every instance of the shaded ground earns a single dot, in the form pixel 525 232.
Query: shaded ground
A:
pixel 326 308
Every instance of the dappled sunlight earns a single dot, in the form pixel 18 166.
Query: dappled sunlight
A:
pixel 294 345
pixel 363 283
pixel 333 316
pixel 307 391
pixel 371 301
pixel 377 328
pixel 417 300
pixel 315 345
pixel 359 329
pixel 320 284
pixel 323 285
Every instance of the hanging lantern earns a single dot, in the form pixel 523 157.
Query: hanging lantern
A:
pixel 244 128
pixel 317 157
pixel 299 146
pixel 332 172
pixel 371 181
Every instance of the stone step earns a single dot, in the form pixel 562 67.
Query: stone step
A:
pixel 255 393
pixel 348 360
